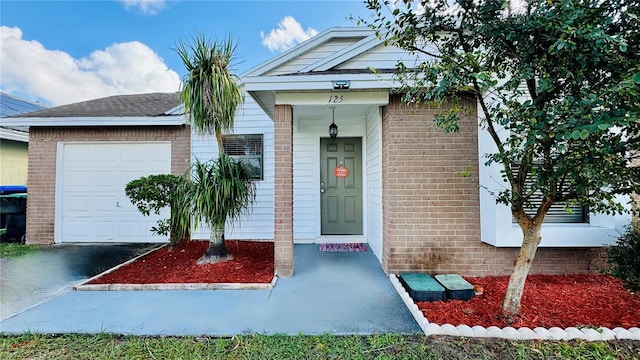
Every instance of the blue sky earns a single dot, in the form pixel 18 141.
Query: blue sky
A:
pixel 59 52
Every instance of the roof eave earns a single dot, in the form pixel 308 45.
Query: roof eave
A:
pixel 15 135
pixel 96 121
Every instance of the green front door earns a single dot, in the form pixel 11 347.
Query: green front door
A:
pixel 341 186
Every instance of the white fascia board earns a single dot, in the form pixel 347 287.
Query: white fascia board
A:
pixel 344 55
pixel 319 82
pixel 378 98
pixel 305 46
pixel 97 121
pixel 15 135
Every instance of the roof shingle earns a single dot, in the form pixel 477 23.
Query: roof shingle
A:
pixel 153 104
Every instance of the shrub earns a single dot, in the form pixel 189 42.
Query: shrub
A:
pixel 624 257
pixel 155 192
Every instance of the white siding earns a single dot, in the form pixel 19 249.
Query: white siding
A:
pixel 381 57
pixel 314 55
pixel 306 186
pixel 250 119
pixel 373 165
pixel 306 171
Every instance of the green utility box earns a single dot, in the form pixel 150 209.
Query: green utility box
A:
pixel 456 287
pixel 422 287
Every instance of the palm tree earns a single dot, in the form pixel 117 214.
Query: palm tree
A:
pixel 220 189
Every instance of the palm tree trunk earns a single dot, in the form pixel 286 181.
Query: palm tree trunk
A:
pixel 515 289
pixel 217 251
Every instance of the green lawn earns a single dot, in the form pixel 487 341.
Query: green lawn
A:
pixel 14 249
pixel 106 346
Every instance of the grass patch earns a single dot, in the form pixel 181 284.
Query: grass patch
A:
pixel 106 346
pixel 13 249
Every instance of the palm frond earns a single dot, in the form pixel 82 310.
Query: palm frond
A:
pixel 210 90
pixel 220 191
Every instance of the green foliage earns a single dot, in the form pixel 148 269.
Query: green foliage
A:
pixel 556 83
pixel 151 194
pixel 220 190
pixel 8 250
pixel 210 92
pixel 624 258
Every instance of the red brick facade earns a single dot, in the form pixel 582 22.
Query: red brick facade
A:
pixel 283 247
pixel 43 144
pixel 431 205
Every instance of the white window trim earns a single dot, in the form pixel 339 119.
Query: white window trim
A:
pixel 497 228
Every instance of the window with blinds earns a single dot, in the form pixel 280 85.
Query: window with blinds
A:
pixel 558 213
pixel 247 148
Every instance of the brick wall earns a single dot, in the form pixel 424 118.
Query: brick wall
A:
pixel 431 205
pixel 43 144
pixel 283 241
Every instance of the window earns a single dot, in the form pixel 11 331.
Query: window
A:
pixel 558 213
pixel 247 148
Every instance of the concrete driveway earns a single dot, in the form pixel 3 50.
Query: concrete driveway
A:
pixel 330 293
pixel 33 278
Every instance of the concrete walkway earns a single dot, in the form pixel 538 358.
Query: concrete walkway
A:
pixel 330 293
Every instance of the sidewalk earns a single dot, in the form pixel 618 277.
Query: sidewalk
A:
pixel 330 293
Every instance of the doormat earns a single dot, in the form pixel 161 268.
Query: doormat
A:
pixel 352 247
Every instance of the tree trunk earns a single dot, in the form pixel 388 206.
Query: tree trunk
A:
pixel 217 251
pixel 511 303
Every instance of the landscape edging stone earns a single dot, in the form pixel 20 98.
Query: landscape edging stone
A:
pixel 539 333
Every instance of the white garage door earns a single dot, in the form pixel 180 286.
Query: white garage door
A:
pixel 91 205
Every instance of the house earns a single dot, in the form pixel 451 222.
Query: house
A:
pixel 14 141
pixel 388 178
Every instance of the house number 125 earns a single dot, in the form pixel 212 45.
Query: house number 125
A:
pixel 336 99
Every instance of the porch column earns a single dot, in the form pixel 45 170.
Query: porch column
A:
pixel 283 247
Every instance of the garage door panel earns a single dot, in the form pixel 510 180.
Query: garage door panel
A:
pixel 77 154
pixel 131 229
pixel 105 179
pixel 78 204
pixel 94 206
pixel 77 179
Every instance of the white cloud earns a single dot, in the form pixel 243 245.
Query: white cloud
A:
pixel 149 7
pixel 288 34
pixel 58 78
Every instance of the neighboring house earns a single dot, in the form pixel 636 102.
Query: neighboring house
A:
pixel 389 178
pixel 81 156
pixel 14 140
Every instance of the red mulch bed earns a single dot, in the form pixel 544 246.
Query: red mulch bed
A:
pixel 252 263
pixel 548 301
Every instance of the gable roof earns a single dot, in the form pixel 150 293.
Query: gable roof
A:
pixel 352 54
pixel 125 110
pixel 307 46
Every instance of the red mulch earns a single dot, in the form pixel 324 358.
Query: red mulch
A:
pixel 548 301
pixel 252 263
